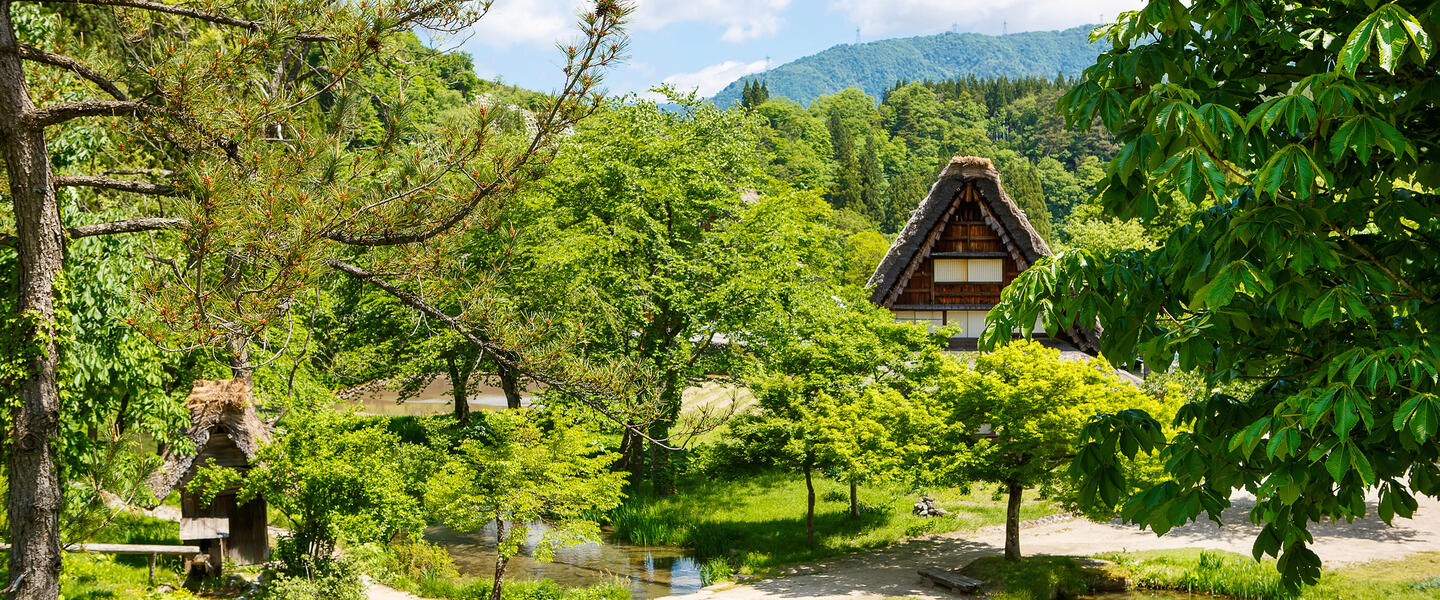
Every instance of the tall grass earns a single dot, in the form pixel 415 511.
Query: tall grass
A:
pixel 1239 576
pixel 758 522
pixel 1202 571
pixel 1034 578
pixel 520 589
pixel 426 569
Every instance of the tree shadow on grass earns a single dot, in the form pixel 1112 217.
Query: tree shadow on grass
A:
pixel 890 574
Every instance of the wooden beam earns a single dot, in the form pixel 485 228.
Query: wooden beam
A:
pixel 127 548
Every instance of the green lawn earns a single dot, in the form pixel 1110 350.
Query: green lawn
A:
pixel 94 576
pixel 1416 577
pixel 759 521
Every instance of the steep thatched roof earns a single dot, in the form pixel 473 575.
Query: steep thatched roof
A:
pixel 1021 240
pixel 216 406
pixel 1025 245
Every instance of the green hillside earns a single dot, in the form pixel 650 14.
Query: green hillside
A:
pixel 876 66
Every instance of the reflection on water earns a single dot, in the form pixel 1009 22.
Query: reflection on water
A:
pixel 650 572
pixel 1148 595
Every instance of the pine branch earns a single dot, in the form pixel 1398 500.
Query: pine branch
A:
pixel 502 355
pixel 185 11
pixel 110 183
pixel 135 225
pixel 34 54
pixel 60 113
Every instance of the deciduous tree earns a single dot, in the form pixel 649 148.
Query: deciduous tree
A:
pixel 1021 409
pixel 1311 129
pixel 533 467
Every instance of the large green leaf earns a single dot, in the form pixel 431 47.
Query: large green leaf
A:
pixel 1390 30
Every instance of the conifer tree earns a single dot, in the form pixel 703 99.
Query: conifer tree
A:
pixel 251 138
pixel 846 191
pixel 872 181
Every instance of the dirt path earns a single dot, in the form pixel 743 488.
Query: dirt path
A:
pixel 377 591
pixel 892 572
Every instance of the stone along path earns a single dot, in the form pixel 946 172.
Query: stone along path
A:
pixel 892 572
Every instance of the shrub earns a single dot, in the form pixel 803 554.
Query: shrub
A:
pixel 331 580
pixel 715 570
pixel 420 560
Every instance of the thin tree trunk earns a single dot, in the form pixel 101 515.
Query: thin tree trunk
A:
pixel 500 561
pixel 459 385
pixel 1012 520
pixel 854 502
pixel 34 499
pixel 662 475
pixel 510 384
pixel 636 460
pixel 240 367
pixel 809 506
pixel 662 471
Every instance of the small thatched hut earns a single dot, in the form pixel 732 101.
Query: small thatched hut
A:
pixel 965 242
pixel 224 427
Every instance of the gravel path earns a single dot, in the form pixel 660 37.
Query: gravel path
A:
pixel 892 572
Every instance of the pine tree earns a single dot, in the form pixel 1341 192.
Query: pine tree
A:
pixel 872 181
pixel 1022 184
pixel 262 203
pixel 845 192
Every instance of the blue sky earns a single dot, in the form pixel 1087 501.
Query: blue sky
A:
pixel 706 44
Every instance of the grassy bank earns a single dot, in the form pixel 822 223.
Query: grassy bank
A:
pixel 427 570
pixel 1416 577
pixel 94 576
pixel 758 522
pixel 479 589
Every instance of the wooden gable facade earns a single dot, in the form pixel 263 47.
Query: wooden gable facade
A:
pixel 963 244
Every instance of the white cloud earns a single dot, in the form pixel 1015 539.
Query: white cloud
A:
pixel 542 22
pixel 527 22
pixel 713 78
pixel 879 19
pixel 742 19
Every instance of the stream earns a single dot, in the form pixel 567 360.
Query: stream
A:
pixel 649 572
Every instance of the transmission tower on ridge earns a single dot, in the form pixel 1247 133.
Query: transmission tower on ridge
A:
pixel 857 35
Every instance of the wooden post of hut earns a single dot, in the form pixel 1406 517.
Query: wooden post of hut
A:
pixel 226 430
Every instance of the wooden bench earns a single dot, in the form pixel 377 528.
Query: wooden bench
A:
pixel 154 550
pixel 952 580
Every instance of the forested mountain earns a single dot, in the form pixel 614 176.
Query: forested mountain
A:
pixel 874 161
pixel 875 66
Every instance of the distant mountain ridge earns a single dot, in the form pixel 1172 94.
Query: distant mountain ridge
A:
pixel 876 66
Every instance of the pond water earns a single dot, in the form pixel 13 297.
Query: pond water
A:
pixel 649 572
pixel 435 399
pixel 1148 595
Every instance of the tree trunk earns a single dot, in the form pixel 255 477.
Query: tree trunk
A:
pixel 635 460
pixel 1012 520
pixel 662 473
pixel 854 502
pixel 240 367
pixel 510 384
pixel 809 506
pixel 500 561
pixel 34 500
pixel 459 385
